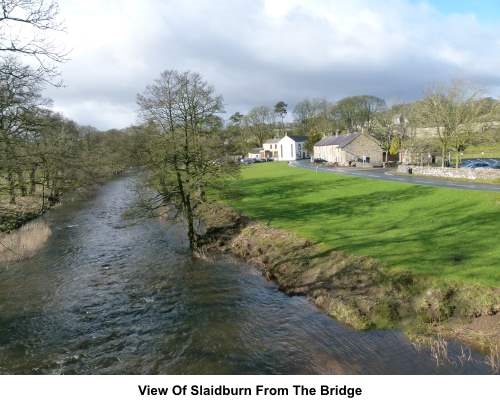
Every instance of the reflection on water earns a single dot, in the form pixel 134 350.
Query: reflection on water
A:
pixel 111 296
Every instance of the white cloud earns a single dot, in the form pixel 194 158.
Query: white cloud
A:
pixel 259 52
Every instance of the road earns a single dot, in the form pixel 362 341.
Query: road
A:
pixel 391 175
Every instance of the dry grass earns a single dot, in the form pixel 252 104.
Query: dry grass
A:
pixel 439 350
pixel 31 203
pixel 493 358
pixel 24 242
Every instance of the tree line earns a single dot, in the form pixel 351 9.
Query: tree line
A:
pixel 458 114
pixel 42 153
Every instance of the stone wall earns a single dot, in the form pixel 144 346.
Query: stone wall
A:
pixel 461 173
pixel 367 146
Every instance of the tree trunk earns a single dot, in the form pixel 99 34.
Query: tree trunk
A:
pixel 190 220
pixel 53 193
pixel 186 205
pixel 12 186
pixel 22 183
pixel 443 154
pixel 33 180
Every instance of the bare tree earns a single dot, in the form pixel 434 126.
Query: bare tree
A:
pixel 358 112
pixel 26 27
pixel 19 97
pixel 315 115
pixel 184 150
pixel 454 111
pixel 259 123
pixel 391 128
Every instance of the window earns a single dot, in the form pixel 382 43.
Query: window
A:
pixel 291 149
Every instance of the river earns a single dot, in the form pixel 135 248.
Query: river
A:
pixel 110 295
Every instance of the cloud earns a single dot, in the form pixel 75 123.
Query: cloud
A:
pixel 258 52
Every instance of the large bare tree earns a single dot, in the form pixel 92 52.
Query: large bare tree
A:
pixel 455 111
pixel 259 123
pixel 185 149
pixel 358 112
pixel 27 29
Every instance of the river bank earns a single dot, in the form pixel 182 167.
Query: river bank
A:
pixel 115 294
pixel 24 242
pixel 23 232
pixel 358 290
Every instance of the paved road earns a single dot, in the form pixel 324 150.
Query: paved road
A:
pixel 391 175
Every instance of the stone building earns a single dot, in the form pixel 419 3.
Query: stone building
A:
pixel 346 150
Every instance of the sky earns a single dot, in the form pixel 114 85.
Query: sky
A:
pixel 257 52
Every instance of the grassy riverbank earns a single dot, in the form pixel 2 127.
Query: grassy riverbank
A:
pixel 24 242
pixel 441 233
pixel 371 253
pixel 26 208
pixel 359 290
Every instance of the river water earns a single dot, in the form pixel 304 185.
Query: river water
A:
pixel 110 295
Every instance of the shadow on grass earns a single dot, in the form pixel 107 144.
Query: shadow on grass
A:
pixel 399 225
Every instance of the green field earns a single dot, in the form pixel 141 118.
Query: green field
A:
pixel 438 232
pixel 482 151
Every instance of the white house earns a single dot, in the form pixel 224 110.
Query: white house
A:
pixel 292 147
pixel 347 149
pixel 255 153
pixel 270 147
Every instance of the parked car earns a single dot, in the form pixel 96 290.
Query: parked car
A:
pixel 318 160
pixel 247 161
pixel 477 164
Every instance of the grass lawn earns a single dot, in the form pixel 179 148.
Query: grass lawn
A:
pixel 490 151
pixel 438 232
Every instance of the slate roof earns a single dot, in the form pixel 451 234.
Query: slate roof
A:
pixel 298 138
pixel 340 140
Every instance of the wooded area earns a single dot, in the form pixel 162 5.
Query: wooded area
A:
pixel 457 114
pixel 183 140
pixel 42 154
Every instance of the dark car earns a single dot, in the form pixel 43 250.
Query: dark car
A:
pixel 476 165
pixel 318 160
pixel 247 161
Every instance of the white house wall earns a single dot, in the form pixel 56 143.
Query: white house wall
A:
pixel 288 149
pixel 330 153
pixel 272 148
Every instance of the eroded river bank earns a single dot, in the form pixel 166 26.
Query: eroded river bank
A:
pixel 111 295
